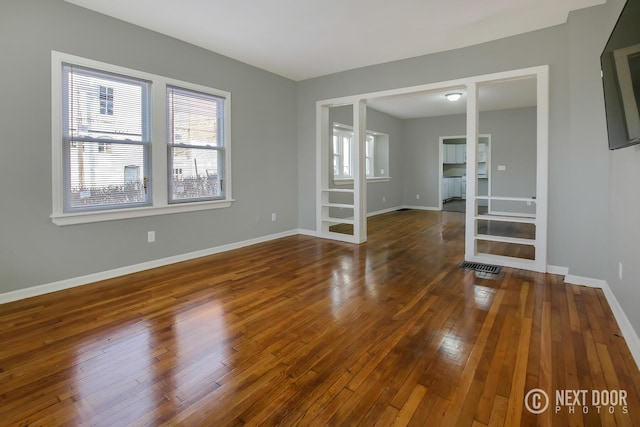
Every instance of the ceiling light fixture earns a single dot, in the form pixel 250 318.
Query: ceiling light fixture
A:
pixel 454 96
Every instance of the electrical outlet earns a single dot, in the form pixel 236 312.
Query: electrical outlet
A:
pixel 273 216
pixel 417 197
pixel 151 236
pixel 384 199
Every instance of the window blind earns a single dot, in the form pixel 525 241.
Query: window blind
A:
pixel 196 148
pixel 106 138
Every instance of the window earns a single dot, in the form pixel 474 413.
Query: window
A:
pixel 195 144
pixel 376 153
pixel 342 165
pixel 92 181
pixel 369 153
pixel 107 121
pixel 106 100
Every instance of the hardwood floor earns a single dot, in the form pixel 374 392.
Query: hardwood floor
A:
pixel 304 331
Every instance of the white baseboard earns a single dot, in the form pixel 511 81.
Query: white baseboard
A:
pixel 555 269
pixel 307 232
pixel 421 208
pixel 109 274
pixel 628 332
pixel 383 211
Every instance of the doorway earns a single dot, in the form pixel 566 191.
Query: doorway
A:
pixel 453 172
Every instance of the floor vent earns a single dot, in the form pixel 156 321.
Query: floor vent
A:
pixel 484 268
pixel 403 209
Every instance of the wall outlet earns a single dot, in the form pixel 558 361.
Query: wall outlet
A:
pixel 151 236
pixel 273 216
pixel 502 167
pixel 417 197
pixel 384 199
pixel 620 270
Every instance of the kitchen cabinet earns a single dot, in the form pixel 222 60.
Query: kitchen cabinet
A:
pixel 453 187
pixel 454 153
pixel 461 153
pixel 445 189
pixel 482 160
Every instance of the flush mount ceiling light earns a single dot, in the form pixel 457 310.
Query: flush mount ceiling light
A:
pixel 454 96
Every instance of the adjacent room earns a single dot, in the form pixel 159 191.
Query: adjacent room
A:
pixel 320 213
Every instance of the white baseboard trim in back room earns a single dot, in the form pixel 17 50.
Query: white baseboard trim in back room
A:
pixel 421 208
pixel 555 269
pixel 628 332
pixel 116 272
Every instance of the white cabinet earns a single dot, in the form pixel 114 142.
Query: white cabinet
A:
pixel 482 160
pixel 482 153
pixel 461 153
pixel 464 188
pixel 454 153
pixel 453 187
pixel 457 187
pixel 445 189
pixel 449 153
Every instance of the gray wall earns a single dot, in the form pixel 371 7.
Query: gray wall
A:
pixel 623 224
pixel 513 144
pixel 33 250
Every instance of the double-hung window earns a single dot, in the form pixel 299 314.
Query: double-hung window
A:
pixel 101 110
pixel 342 149
pixel 131 144
pixel 196 147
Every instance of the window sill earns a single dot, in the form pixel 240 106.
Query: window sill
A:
pixel 348 181
pixel 111 215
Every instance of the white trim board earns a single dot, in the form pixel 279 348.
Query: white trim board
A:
pixel 628 332
pixel 116 272
pixel 421 208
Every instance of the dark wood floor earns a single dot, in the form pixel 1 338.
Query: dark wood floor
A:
pixel 304 331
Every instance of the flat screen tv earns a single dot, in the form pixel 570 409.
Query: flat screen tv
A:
pixel 620 62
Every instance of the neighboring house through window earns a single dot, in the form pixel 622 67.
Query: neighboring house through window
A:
pixel 106 100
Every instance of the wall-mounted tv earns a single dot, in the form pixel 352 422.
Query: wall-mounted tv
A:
pixel 620 62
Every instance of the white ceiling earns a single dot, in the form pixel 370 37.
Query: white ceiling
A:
pixel 301 39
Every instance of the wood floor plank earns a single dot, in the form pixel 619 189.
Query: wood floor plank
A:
pixel 306 331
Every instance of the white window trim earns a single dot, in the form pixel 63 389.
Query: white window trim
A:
pixel 159 163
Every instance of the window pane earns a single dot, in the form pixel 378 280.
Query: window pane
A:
pixel 101 105
pixel 346 156
pixel 105 175
pixel 195 174
pixel 194 118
